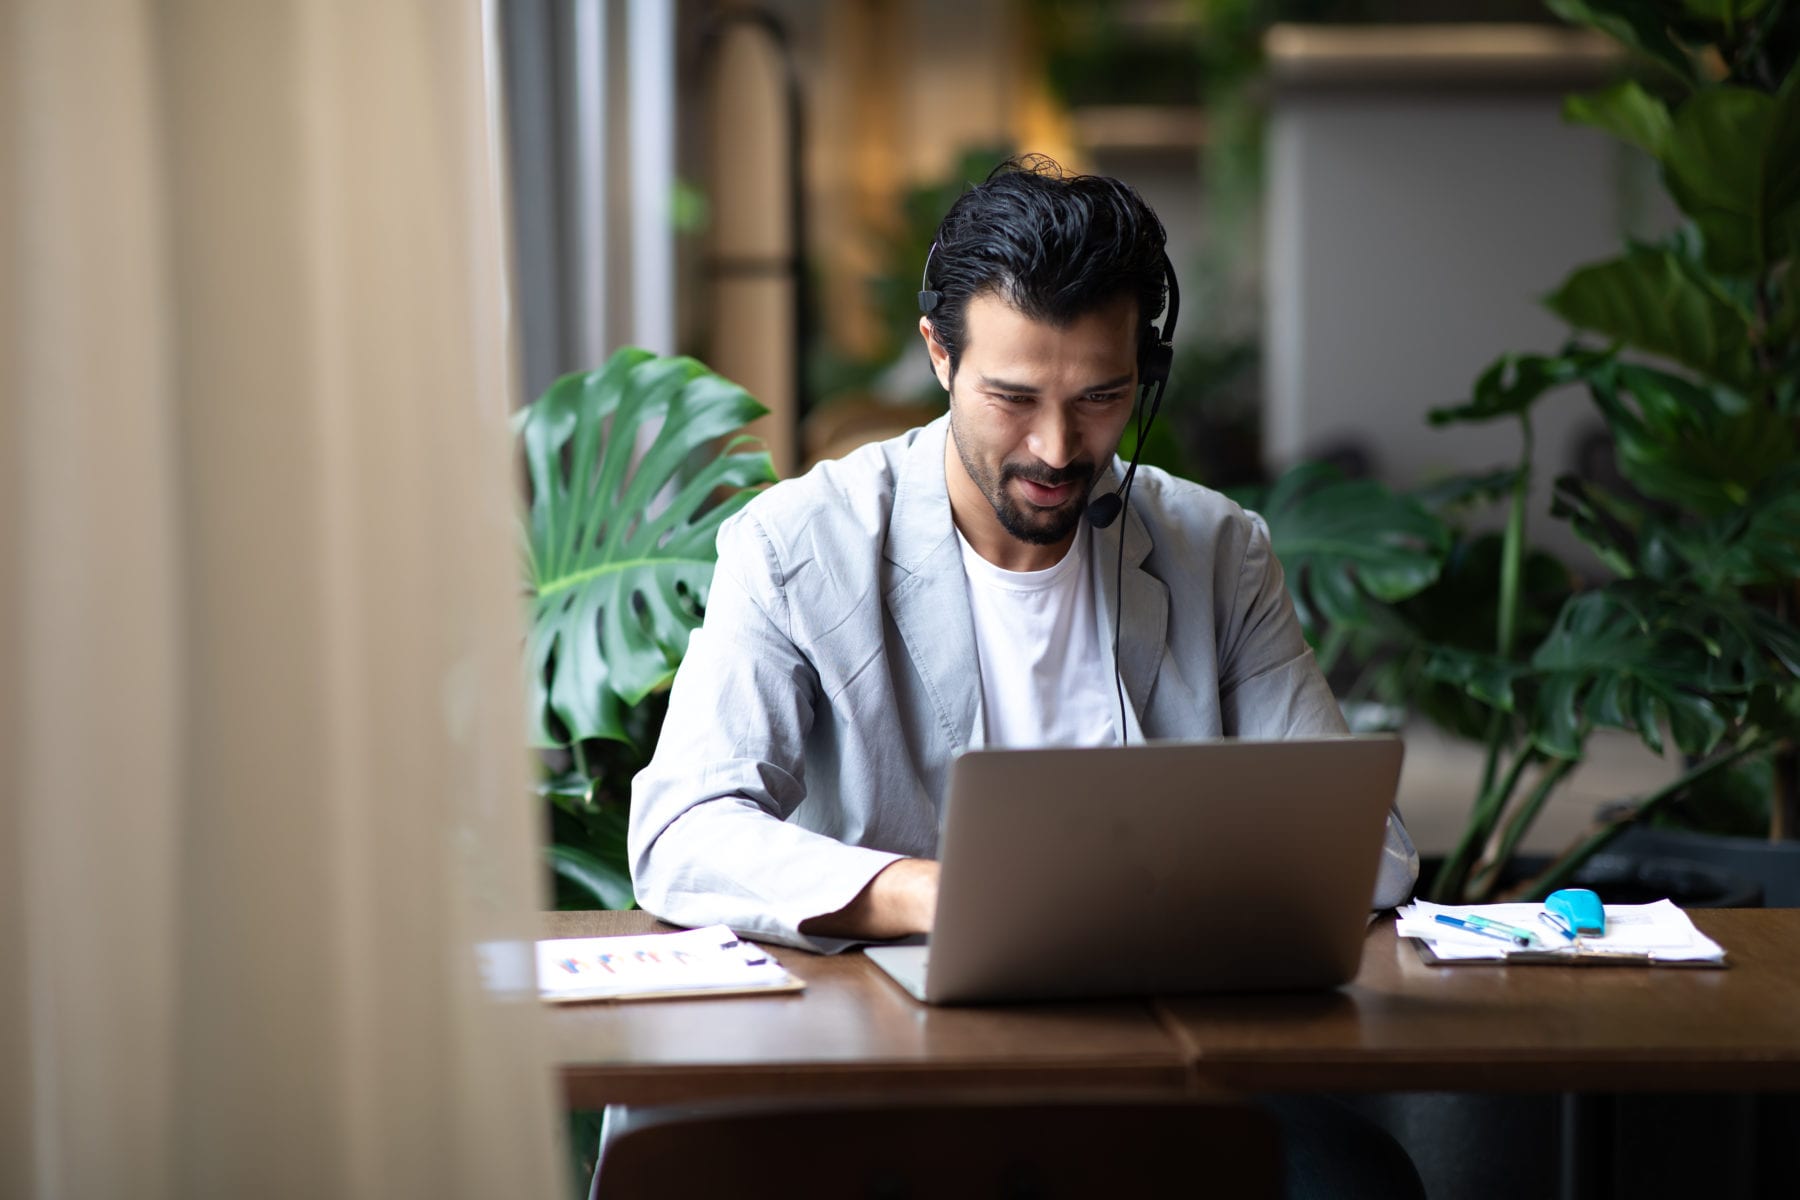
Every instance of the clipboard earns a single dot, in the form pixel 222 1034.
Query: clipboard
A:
pixel 1657 934
pixel 1562 958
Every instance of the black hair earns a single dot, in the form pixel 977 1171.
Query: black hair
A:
pixel 1055 246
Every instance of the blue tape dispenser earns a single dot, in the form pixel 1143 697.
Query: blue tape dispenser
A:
pixel 1579 909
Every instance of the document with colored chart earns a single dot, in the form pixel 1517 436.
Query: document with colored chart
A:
pixel 655 966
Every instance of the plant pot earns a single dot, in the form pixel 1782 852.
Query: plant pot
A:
pixel 1773 865
pixel 1620 876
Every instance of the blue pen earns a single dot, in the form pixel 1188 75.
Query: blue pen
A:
pixel 1556 922
pixel 1488 928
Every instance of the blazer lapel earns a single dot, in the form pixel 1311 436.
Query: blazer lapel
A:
pixel 929 599
pixel 1143 631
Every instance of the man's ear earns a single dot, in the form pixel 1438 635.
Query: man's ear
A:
pixel 940 357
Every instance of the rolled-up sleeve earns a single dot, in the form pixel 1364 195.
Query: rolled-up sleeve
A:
pixel 710 840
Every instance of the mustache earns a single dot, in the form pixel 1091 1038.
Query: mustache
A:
pixel 1043 476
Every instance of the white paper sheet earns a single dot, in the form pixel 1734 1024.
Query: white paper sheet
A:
pixel 710 960
pixel 1660 931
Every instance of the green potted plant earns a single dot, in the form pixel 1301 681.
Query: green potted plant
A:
pixel 629 485
pixel 1689 349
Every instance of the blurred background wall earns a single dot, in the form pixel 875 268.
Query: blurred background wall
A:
pixel 1363 209
pixel 1422 192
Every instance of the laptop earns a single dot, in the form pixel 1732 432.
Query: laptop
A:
pixel 1168 867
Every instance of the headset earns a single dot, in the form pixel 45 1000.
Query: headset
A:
pixel 1156 355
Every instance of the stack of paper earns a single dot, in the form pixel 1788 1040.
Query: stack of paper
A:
pixel 1650 933
pixel 652 966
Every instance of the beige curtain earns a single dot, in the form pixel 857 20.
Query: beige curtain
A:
pixel 266 853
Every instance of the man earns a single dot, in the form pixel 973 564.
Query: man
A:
pixel 946 589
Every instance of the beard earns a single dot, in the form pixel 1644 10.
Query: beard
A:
pixel 1028 522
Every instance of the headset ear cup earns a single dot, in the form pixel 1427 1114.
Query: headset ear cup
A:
pixel 1158 359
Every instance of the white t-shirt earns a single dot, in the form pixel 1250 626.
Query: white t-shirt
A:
pixel 1044 674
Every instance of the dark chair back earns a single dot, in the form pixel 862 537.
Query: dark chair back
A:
pixel 947 1150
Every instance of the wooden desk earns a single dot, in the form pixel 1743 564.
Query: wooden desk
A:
pixel 1404 1026
pixel 1401 1026
pixel 852 1031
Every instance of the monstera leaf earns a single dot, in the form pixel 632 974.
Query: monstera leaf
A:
pixel 1635 666
pixel 621 537
pixel 1638 658
pixel 1512 383
pixel 1754 544
pixel 1704 449
pixel 1648 299
pixel 1340 539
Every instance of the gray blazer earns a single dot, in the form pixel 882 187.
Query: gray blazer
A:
pixel 813 720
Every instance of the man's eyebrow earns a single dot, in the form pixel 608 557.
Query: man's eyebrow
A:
pixel 1026 389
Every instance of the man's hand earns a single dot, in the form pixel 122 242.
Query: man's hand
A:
pixel 900 901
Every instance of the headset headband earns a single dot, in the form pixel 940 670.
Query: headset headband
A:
pixel 928 299
pixel 1155 356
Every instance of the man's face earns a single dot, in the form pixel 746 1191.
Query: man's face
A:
pixel 1035 411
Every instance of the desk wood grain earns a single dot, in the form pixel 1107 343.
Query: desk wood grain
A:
pixel 1400 1026
pixel 852 1031
pixel 1404 1026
